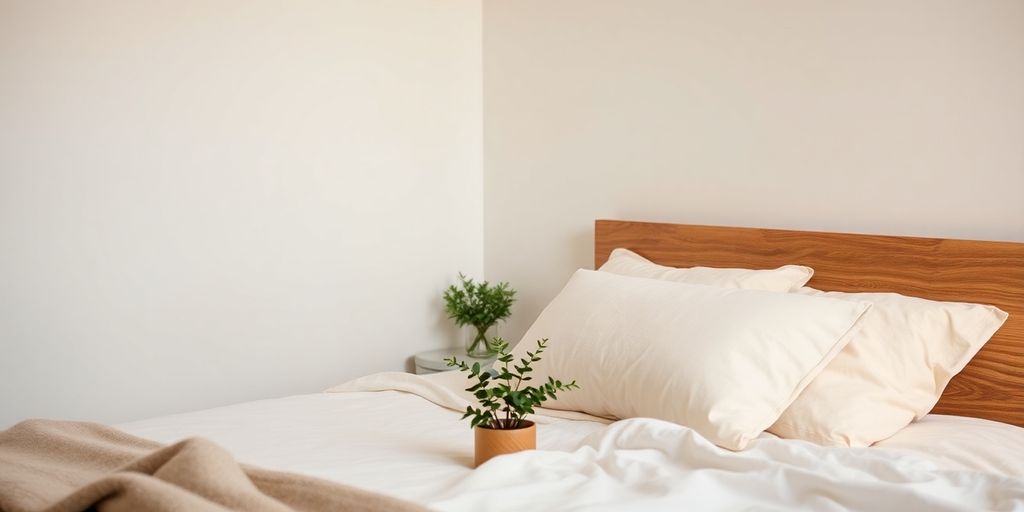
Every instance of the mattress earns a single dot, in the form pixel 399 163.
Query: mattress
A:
pixel 400 434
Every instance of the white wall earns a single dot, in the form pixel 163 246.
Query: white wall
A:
pixel 208 202
pixel 887 116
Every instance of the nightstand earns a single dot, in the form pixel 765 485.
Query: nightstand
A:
pixel 433 361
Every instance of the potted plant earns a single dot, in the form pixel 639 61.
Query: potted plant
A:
pixel 479 305
pixel 500 425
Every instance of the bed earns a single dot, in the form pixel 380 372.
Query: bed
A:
pixel 400 435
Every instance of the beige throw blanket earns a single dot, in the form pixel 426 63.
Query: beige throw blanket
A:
pixel 59 466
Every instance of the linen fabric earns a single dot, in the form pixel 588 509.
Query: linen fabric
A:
pixel 384 434
pixel 783 279
pixel 893 370
pixel 968 444
pixel 723 361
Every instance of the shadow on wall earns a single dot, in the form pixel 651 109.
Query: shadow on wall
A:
pixel 581 252
pixel 536 286
pixel 452 334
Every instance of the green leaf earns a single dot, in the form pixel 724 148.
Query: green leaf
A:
pixel 501 393
pixel 478 304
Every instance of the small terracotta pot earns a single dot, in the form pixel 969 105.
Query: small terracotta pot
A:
pixel 491 442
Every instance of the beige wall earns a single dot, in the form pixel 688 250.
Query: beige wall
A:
pixel 208 202
pixel 898 117
pixel 203 203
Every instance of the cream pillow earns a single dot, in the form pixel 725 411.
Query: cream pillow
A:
pixel 783 279
pixel 723 361
pixel 893 371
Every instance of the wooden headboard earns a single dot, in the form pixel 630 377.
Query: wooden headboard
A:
pixel 992 385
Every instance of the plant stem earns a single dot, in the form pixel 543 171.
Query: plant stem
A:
pixel 481 337
pixel 508 382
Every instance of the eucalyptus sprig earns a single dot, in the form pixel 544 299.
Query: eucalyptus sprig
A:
pixel 504 401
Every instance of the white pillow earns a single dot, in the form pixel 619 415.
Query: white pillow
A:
pixel 783 279
pixel 893 371
pixel 723 361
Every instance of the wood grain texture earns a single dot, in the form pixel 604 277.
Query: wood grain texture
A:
pixel 990 387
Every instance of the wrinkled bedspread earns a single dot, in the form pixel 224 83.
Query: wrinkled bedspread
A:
pixel 404 434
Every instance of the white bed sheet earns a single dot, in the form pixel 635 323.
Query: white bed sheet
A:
pixel 400 434
pixel 392 442
pixel 968 444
